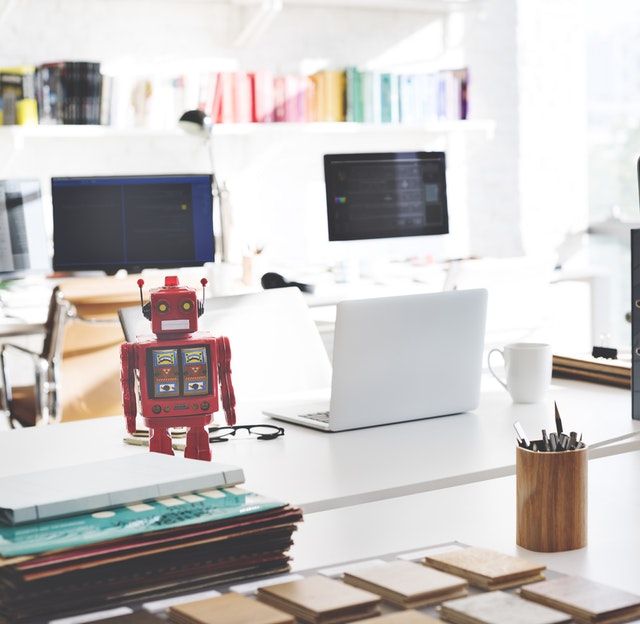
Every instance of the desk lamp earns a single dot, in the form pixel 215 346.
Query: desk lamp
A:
pixel 198 123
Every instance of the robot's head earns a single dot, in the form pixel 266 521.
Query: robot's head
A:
pixel 173 309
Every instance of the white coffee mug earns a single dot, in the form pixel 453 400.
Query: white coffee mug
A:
pixel 527 367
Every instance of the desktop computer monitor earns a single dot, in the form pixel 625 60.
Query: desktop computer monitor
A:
pixel 387 205
pixel 24 246
pixel 386 195
pixel 113 223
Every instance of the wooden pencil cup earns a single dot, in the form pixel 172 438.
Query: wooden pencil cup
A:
pixel 551 492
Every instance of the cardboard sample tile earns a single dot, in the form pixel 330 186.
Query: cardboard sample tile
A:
pixel 231 608
pixel 406 583
pixel 321 600
pixel 499 607
pixel 410 616
pixel 486 568
pixel 585 600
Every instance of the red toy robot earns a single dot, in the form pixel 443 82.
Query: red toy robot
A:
pixel 177 371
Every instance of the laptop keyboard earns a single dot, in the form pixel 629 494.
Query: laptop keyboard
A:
pixel 319 416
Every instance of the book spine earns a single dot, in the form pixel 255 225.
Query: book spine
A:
pixel 18 96
pixel 263 94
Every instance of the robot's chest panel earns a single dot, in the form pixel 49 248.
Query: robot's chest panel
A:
pixel 178 371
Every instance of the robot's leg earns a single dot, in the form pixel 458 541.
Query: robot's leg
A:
pixel 160 441
pixel 198 446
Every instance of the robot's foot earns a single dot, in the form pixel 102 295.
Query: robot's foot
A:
pixel 160 441
pixel 198 446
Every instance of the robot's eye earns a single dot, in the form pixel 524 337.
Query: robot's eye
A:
pixel 186 305
pixel 162 307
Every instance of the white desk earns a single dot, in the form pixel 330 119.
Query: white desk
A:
pixel 484 514
pixel 320 471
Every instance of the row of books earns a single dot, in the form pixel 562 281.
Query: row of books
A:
pixel 65 92
pixel 350 95
pixel 76 92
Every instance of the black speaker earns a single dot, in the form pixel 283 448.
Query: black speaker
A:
pixel 635 324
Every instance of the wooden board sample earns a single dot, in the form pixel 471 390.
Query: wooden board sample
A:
pixel 486 568
pixel 410 616
pixel 499 607
pixel 406 583
pixel 229 608
pixel 321 600
pixel 587 601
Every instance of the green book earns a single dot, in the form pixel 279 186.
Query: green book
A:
pixel 134 519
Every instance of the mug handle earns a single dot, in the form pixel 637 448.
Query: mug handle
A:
pixel 496 350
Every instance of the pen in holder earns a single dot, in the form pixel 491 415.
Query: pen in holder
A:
pixel 551 493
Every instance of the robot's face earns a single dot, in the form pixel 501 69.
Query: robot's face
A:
pixel 174 310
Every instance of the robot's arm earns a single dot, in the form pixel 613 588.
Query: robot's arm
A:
pixel 128 385
pixel 224 375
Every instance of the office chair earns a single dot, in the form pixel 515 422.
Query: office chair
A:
pixel 37 404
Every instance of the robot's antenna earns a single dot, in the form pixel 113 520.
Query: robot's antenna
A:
pixel 140 285
pixel 204 283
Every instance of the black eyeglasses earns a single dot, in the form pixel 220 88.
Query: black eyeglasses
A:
pixel 262 432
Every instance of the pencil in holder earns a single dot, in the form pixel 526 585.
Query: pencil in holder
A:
pixel 551 494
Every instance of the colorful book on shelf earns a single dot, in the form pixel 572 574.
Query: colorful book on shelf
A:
pixel 354 104
pixel 18 104
pixel 330 88
pixel 610 372
pixel 389 98
pixel 243 97
pixel 69 92
pixel 264 96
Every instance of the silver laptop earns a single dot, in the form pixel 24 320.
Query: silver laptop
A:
pixel 397 359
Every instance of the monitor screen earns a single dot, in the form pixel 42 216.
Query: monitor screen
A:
pixel 112 223
pixel 385 195
pixel 24 247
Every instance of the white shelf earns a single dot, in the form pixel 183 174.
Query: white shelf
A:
pixel 16 134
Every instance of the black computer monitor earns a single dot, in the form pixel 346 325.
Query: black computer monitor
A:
pixel 385 195
pixel 112 223
pixel 24 245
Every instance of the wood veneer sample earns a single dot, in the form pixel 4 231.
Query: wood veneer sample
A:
pixel 486 568
pixel 587 601
pixel 231 608
pixel 410 616
pixel 499 607
pixel 321 600
pixel 406 583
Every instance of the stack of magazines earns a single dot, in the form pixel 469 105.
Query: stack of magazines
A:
pixel 609 372
pixel 139 551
